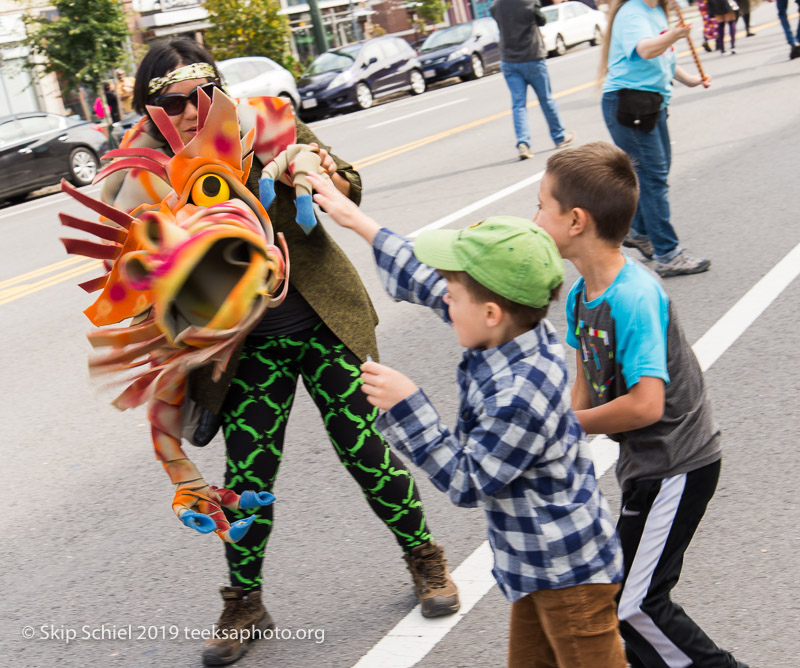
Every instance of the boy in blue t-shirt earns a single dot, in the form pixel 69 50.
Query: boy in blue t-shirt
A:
pixel 639 382
pixel 517 450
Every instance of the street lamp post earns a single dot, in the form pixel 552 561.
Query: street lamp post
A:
pixel 316 23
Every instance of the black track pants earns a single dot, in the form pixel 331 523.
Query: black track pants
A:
pixel 656 525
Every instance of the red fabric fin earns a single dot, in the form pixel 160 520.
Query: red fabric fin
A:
pixel 133 163
pixel 91 248
pixel 162 122
pixel 114 215
pixel 123 335
pixel 203 105
pixel 137 392
pixel 126 354
pixel 94 284
pixel 247 142
pixel 247 163
pixel 139 152
pixel 101 230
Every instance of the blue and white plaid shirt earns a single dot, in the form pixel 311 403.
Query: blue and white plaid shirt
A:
pixel 518 450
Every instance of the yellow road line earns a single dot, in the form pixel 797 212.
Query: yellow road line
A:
pixel 39 272
pixel 12 294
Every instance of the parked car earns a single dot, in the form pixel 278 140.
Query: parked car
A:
pixel 465 50
pixel 352 76
pixel 119 128
pixel 39 149
pixel 569 23
pixel 257 76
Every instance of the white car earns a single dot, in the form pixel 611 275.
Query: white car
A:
pixel 257 76
pixel 569 23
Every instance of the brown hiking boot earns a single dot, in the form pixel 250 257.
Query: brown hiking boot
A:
pixel 243 619
pixel 436 591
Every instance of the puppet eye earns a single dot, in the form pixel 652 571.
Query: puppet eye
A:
pixel 210 189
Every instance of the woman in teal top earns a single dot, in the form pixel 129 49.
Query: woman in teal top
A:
pixel 639 64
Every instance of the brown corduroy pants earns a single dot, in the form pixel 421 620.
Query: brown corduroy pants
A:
pixel 574 627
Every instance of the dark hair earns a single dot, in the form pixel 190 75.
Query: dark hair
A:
pixel 523 315
pixel 598 178
pixel 164 57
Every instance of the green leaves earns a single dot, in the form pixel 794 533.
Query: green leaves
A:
pixel 248 28
pixel 83 43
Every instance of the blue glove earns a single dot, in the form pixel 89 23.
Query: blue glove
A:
pixel 250 499
pixel 305 213
pixel 198 521
pixel 266 191
pixel 240 528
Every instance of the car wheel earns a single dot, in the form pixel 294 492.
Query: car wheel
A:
pixel 82 166
pixel 417 82
pixel 289 99
pixel 561 46
pixel 363 95
pixel 598 36
pixel 476 67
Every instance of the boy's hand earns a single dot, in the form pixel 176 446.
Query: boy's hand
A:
pixel 385 386
pixel 340 208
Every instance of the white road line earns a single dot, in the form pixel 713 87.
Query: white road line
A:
pixel 414 636
pixel 47 201
pixel 417 113
pixel 500 194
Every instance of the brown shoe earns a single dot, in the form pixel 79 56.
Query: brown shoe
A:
pixel 436 591
pixel 242 616
pixel 525 152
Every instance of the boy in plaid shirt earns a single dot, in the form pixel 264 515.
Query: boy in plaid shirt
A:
pixel 517 451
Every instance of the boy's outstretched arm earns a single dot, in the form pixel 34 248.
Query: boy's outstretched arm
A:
pixel 403 276
pixel 642 406
pixel 507 436
pixel 342 209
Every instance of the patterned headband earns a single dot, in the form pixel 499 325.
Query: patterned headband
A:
pixel 193 71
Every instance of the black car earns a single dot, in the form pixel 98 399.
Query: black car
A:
pixel 38 149
pixel 466 50
pixel 353 76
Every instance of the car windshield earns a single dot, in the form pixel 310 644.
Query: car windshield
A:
pixel 233 74
pixel 447 37
pixel 333 61
pixel 550 14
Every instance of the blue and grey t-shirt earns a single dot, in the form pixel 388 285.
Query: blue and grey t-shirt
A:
pixel 629 332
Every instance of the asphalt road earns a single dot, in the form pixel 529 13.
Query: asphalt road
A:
pixel 91 547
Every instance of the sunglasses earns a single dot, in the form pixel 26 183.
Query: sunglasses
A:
pixel 175 103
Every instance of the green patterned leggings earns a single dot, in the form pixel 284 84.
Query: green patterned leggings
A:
pixel 254 422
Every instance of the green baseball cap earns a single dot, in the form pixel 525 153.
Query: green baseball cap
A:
pixel 511 256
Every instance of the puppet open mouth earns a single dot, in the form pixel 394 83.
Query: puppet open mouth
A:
pixel 207 277
pixel 204 296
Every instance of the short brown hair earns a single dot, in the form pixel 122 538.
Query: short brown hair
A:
pixel 523 315
pixel 598 178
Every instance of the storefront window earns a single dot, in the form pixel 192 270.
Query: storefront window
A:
pixel 16 88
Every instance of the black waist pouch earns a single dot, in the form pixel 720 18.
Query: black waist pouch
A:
pixel 638 108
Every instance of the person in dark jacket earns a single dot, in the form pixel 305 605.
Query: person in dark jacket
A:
pixel 523 64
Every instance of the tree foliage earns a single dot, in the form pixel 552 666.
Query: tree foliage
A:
pixel 82 44
pixel 432 11
pixel 248 28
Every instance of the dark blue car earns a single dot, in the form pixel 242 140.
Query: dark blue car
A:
pixel 352 76
pixel 466 50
